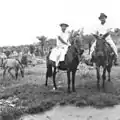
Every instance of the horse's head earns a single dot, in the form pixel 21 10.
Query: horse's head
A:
pixel 76 43
pixel 100 44
pixel 78 46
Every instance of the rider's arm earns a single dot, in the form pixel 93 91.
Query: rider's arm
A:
pixel 110 30
pixel 62 40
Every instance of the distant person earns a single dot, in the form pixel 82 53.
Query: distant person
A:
pixel 58 53
pixel 15 54
pixel 102 29
pixel 21 53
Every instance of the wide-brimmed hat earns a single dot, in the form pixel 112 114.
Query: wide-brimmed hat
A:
pixel 102 15
pixel 64 24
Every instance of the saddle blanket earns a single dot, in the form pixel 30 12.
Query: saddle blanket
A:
pixel 58 54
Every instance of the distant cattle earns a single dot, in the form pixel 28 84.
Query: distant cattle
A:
pixel 13 64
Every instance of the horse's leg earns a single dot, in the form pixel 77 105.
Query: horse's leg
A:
pixel 54 75
pixel 46 78
pixel 22 72
pixel 49 72
pixel 89 44
pixel 104 76
pixel 9 71
pixel 16 73
pixel 4 72
pixel 98 77
pixel 68 78
pixel 109 70
pixel 73 80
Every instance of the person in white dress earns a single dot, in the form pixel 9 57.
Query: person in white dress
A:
pixel 58 53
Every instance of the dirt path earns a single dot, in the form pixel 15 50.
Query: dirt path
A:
pixel 74 113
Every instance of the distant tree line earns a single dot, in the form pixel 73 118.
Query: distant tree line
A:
pixel 43 45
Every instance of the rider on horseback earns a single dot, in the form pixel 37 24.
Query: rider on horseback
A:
pixel 58 53
pixel 101 31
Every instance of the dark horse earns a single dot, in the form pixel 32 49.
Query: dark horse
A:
pixel 69 64
pixel 103 56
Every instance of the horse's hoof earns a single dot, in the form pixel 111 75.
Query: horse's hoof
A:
pixel 98 89
pixel 104 90
pixel 74 90
pixel 69 91
pixel 54 88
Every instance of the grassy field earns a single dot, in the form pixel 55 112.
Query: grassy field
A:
pixel 34 97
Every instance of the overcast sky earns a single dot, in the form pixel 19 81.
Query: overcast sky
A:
pixel 22 20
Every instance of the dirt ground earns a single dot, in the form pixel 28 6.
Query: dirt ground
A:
pixel 77 113
pixel 36 75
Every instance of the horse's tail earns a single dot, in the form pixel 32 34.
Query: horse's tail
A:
pixel 49 71
pixel 20 63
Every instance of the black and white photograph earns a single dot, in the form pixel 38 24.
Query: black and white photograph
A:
pixel 59 60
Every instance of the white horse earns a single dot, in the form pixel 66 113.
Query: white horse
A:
pixel 14 64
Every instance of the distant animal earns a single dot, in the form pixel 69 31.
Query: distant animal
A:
pixel 12 64
pixel 103 56
pixel 70 63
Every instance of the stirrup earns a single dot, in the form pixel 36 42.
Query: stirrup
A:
pixel 115 61
pixel 57 68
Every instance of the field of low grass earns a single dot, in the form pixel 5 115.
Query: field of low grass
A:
pixel 34 97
